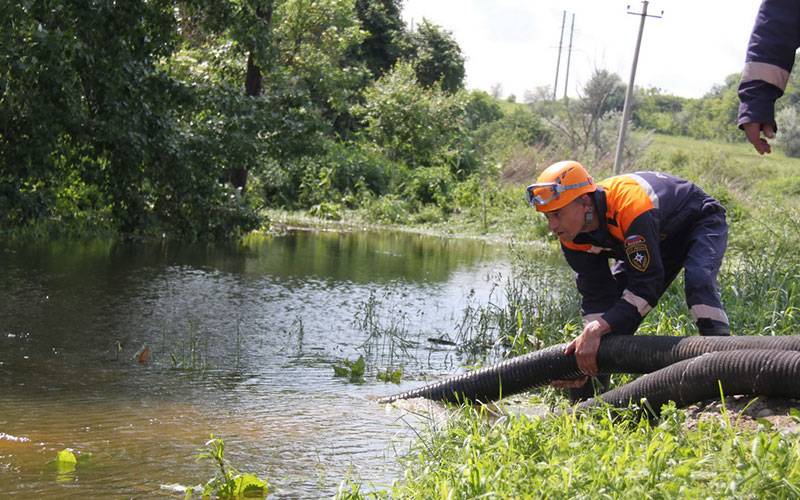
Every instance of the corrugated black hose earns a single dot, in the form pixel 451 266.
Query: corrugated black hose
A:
pixel 755 372
pixel 617 354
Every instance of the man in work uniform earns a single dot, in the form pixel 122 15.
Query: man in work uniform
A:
pixel 652 225
pixel 768 63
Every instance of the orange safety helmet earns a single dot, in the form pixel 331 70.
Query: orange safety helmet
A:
pixel 558 185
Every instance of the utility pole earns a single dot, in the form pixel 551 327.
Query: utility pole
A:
pixel 569 56
pixel 560 44
pixel 626 110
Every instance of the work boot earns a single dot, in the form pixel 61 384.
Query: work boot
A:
pixel 710 328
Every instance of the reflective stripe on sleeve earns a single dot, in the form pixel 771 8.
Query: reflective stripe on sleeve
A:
pixel 639 303
pixel 767 72
pixel 588 318
pixel 647 187
pixel 701 311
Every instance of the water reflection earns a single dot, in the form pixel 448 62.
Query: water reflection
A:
pixel 242 340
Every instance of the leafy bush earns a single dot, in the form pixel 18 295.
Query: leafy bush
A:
pixel 496 140
pixel 353 370
pixel 429 214
pixel 325 210
pixel 429 185
pixel 342 173
pixel 657 111
pixel 388 209
pixel 471 192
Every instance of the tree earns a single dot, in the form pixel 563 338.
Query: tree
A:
pixel 436 57
pixel 581 124
pixel 603 92
pixel 714 115
pixel 657 111
pixel 383 44
pixel 87 101
pixel 297 62
pixel 496 90
pixel 412 124
pixel 541 93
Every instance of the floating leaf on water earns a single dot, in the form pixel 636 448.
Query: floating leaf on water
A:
pixel 143 356
pixel 66 456
pixel 65 461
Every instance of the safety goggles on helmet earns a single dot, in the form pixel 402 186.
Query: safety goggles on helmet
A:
pixel 554 189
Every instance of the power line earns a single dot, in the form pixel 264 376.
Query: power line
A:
pixel 626 110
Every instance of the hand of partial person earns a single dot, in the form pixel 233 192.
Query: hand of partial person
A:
pixel 586 345
pixel 753 132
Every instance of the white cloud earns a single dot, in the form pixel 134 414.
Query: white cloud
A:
pixel 514 42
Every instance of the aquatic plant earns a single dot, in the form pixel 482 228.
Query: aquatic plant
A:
pixel 387 343
pixel 193 354
pixel 354 370
pixel 390 375
pixel 228 483
pixel 534 307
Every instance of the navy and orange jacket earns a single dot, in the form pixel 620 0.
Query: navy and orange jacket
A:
pixel 645 219
pixel 770 57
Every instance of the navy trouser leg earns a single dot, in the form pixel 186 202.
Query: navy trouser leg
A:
pixel 706 247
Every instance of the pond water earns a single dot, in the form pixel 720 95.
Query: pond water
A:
pixel 241 343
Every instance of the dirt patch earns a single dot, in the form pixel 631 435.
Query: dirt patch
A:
pixel 749 413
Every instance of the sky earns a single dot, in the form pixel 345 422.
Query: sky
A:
pixel 692 47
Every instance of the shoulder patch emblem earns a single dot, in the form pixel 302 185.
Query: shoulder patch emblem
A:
pixel 637 252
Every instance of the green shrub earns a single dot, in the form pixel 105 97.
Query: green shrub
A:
pixel 428 214
pixel 496 140
pixel 471 193
pixel 388 209
pixel 343 173
pixel 326 210
pixel 429 185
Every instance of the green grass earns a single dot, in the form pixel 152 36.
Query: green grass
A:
pixel 600 455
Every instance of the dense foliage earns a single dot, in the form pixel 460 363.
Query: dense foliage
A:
pixel 188 119
pixel 173 117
